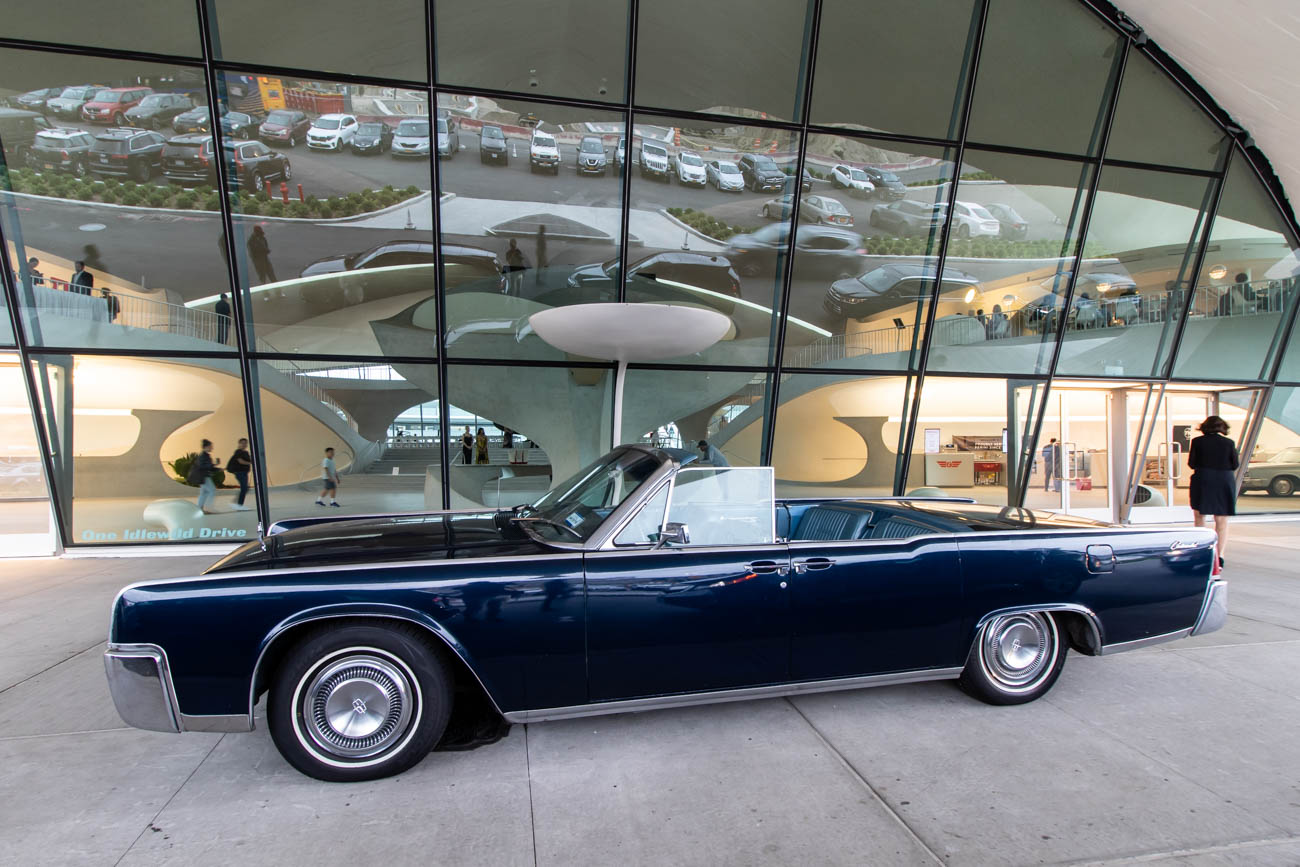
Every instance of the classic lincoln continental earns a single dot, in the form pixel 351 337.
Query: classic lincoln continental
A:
pixel 644 581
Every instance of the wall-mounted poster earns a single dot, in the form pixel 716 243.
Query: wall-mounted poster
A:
pixel 932 441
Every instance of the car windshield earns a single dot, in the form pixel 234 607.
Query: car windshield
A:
pixel 493 132
pixel 858 175
pixel 888 177
pixel 654 151
pixel 574 509
pixel 109 96
pixel 281 117
pixel 442 125
pixel 1286 456
pixel 236 117
pixel 199 113
pixel 152 101
pixel 181 148
pixel 327 123
pixel 728 169
pixel 417 128
pixel 980 212
pixel 71 92
pixel 110 146
pixel 543 141
pixel 691 160
pixel 773 233
pixel 55 140
pixel 765 163
pixel 833 206
pixel 879 280
pixel 370 129
pixel 592 146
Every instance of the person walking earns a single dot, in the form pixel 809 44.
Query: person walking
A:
pixel 467 448
pixel 481 447
pixel 111 302
pixel 82 280
pixel 540 257
pixel 1213 460
pixel 514 268
pixel 201 474
pixel 241 464
pixel 329 481
pixel 222 309
pixel 1049 453
pixel 259 251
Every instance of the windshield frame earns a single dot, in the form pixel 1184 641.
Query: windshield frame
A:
pixel 561 498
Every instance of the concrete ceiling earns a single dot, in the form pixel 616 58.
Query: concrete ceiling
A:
pixel 1246 54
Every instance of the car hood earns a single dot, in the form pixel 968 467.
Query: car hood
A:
pixel 492 144
pixel 274 127
pixel 588 274
pixel 853 288
pixel 411 140
pixel 328 265
pixel 435 536
pixel 1272 465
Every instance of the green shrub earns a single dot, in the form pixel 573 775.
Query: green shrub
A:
pixel 159 196
pixel 250 207
pixel 204 190
pixel 181 470
pixel 212 202
pixel 325 210
pixel 298 209
pixel 411 190
pixel 131 197
pixel 185 200
pixel 275 209
pixel 108 194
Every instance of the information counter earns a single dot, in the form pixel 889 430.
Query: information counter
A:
pixel 950 470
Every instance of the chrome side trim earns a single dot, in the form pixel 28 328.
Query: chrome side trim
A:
pixel 662 702
pixel 1094 622
pixel 1214 610
pixel 140 682
pixel 232 722
pixel 292 622
pixel 1138 643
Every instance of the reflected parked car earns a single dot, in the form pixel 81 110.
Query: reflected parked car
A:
pixel 690 169
pixel 195 120
pixel 36 100
pixel 891 287
pixel 492 146
pixel 1012 226
pixel 64 150
pixel 284 126
pixel 761 172
pixel 189 158
pixel 591 159
pixel 69 102
pixel 701 270
pixel 250 164
pixel 411 139
pixel 820 251
pixel 128 152
pixel 853 179
pixel 111 104
pixel 824 210
pixel 1279 474
pixel 476 267
pixel 157 110
pixel 725 176
pixel 888 186
pixel 543 152
pixel 330 132
pixel 653 161
pixel 908 218
pixel 973 221
pixel 373 137
pixel 237 124
pixel 448 136
pixel 18 130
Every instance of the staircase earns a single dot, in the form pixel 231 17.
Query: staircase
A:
pixel 406 461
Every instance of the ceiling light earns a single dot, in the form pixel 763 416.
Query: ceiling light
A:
pixel 1218 272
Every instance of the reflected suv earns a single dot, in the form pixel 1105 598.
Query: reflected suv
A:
pixel 189 158
pixel 544 152
pixel 761 172
pixel 653 161
pixel 331 132
pixel 250 164
pixel 158 110
pixel 492 145
pixel 591 158
pixel 690 169
pixel 126 151
pixel 69 102
pixel 892 287
pixel 111 105
pixel 64 150
pixel 448 136
pixel 284 126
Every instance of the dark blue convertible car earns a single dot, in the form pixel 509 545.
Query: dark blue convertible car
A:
pixel 642 582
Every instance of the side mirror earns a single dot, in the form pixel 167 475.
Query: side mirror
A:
pixel 674 534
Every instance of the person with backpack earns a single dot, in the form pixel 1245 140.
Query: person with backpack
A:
pixel 201 475
pixel 241 464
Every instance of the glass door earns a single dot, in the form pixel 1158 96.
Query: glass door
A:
pixel 1072 462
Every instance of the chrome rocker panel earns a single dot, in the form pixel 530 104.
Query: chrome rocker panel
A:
pixel 663 702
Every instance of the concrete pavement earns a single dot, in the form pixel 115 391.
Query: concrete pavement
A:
pixel 1183 754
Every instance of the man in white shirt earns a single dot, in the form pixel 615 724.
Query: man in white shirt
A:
pixel 329 480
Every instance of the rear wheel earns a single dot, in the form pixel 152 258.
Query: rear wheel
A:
pixel 1282 487
pixel 258 182
pixel 359 702
pixel 141 171
pixel 1015 659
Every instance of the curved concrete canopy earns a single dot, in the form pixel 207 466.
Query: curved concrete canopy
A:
pixel 630 332
pixel 1243 52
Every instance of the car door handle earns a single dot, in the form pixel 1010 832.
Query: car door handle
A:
pixel 768 567
pixel 813 563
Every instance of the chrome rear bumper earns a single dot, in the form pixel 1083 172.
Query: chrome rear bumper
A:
pixel 1214 611
pixel 141 684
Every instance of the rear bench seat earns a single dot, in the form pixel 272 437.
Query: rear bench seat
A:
pixel 847 521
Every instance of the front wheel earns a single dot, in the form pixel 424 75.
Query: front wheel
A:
pixel 359 702
pixel 1015 659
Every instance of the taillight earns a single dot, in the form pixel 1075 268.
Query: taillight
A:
pixel 63 154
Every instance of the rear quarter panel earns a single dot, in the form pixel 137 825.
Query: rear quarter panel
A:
pixel 1157 586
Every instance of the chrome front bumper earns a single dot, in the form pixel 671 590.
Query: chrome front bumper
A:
pixel 141 684
pixel 1214 611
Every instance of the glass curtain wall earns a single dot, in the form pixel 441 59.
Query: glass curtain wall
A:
pixel 315 232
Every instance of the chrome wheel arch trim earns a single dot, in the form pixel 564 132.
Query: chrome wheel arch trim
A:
pixel 998 666
pixel 1090 617
pixel 352 612
pixel 675 700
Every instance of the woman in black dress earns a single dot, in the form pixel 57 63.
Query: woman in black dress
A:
pixel 1213 459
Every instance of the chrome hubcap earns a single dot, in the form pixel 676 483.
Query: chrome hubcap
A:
pixel 357 706
pixel 1018 649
